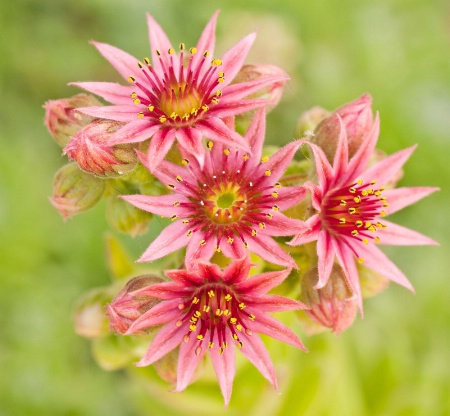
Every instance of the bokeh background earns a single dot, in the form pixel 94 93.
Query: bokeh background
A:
pixel 395 361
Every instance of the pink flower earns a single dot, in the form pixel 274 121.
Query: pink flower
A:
pixel 179 96
pixel 208 309
pixel 233 204
pixel 351 204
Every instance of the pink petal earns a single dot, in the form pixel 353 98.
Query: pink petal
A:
pixel 165 290
pixel 224 367
pixel 160 42
pixel 157 315
pixel 168 338
pixel 160 145
pixel 125 113
pixel 383 171
pixel 256 132
pixel 235 250
pixel 237 271
pixel 208 38
pixel 260 284
pixel 237 92
pixel 280 225
pixel 266 324
pixel 190 139
pixel 124 63
pixel 341 157
pixel 208 271
pixel 273 303
pixel 325 173
pixel 114 93
pixel 159 205
pixel 168 172
pixel 234 57
pixel 255 351
pixel 172 238
pixel 290 196
pixel 188 361
pixel 376 260
pixel 402 197
pixel 265 247
pixel 400 236
pixel 359 161
pixel 195 251
pixel 134 132
pixel 233 108
pixel 184 277
pixel 216 129
pixel 325 253
pixel 308 235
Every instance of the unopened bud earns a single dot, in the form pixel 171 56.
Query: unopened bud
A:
pixel 75 191
pixel 126 308
pixel 63 120
pixel 331 306
pixel 357 119
pixel 124 217
pixel 309 120
pixel 90 149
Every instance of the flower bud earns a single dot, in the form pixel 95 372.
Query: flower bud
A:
pixel 75 191
pixel 309 120
pixel 126 218
pixel 126 308
pixel 90 149
pixel 63 120
pixel 89 314
pixel 272 92
pixel 331 306
pixel 357 119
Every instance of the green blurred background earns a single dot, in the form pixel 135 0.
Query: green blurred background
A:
pixel 395 361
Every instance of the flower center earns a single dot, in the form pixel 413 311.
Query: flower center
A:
pixel 352 211
pixel 180 93
pixel 225 204
pixel 213 310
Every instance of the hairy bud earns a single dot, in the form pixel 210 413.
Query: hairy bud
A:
pixel 62 118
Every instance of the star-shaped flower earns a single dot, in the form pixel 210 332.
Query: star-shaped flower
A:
pixel 351 204
pixel 177 96
pixel 232 205
pixel 208 309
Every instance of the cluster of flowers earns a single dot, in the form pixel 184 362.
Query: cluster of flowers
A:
pixel 233 203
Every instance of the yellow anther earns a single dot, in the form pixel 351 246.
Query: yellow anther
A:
pixel 254 232
pixel 377 239
pixel 206 54
pixel 182 46
pixel 219 93
pixel 239 327
pixel 200 337
pixel 215 100
pixel 193 320
pixel 174 115
pixel 179 178
pixel 235 337
pixel 131 79
pixel 245 244
pixel 381 188
pixel 358 223
pixel 202 243
pixel 171 51
pixel 361 260
pixel 139 64
pixel 383 213
pixel 219 312
pixel 352 190
pixel 343 203
pixel 185 221
pixel 230 240
pixel 225 344
pixel 233 320
pixel 385 205
pixel 227 151
pixel 372 228
pixel 209 145
pixel 221 74
pixel 195 300
pixel 370 191
pixel 269 215
pixel 377 193
pixel 197 314
pixel 226 312
pixel 193 51
pixel 220 79
pixel 192 327
pixel 352 210
pixel 151 108
pixel 205 107
pixel 170 186
pixel 365 241
pixel 147 61
pixel 367 224
pixel 240 344
pixel 211 293
pixel 140 115
pixel 220 351
pixel 242 305
pixel 341 220
pixel 360 182
pixel 379 225
pixel 133 95
pixel 216 62
pixel 176 204
pixel 185 162
pixel 218 250
pixel 252 317
pixel 357 199
pixel 228 297
pixel 158 52
pixel 373 182
pixel 262 225
pixel 173 217
pixel 355 233
pixel 264 159
pixel 163 119
pixel 278 185
pixel 206 308
pixel 194 111
pixel 246 157
pixel 364 192
pixel 268 172
pixel 275 194
pixel 210 344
